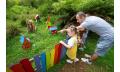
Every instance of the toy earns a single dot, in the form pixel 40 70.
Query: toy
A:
pixel 37 18
pixel 30 26
pixel 25 42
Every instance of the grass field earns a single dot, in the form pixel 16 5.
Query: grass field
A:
pixel 42 41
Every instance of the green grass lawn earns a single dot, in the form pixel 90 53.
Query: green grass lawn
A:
pixel 42 41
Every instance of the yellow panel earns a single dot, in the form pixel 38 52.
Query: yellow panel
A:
pixel 52 57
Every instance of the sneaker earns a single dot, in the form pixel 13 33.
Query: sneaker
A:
pixel 76 60
pixel 86 61
pixel 69 61
pixel 87 56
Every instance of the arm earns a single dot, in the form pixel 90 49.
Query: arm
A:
pixel 66 45
pixel 80 28
pixel 63 30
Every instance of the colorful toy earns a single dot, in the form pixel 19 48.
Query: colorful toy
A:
pixel 37 19
pixel 25 42
pixel 31 26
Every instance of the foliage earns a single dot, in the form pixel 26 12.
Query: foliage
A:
pixel 104 7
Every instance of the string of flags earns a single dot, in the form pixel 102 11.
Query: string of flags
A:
pixel 43 62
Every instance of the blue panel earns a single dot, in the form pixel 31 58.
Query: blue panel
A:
pixel 37 63
pixel 43 62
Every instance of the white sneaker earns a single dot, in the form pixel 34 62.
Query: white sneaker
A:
pixel 76 60
pixel 87 56
pixel 69 61
pixel 86 60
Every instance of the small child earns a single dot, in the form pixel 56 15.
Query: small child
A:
pixel 72 44
pixel 30 26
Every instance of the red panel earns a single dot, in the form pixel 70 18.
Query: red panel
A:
pixel 57 53
pixel 17 68
pixel 27 65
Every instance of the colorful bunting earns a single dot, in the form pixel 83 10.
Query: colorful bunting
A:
pixel 37 63
pixel 17 68
pixel 27 65
pixel 43 62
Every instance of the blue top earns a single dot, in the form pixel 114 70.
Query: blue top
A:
pixel 99 26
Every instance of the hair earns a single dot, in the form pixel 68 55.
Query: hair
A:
pixel 81 14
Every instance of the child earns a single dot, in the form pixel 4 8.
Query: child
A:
pixel 72 44
pixel 30 26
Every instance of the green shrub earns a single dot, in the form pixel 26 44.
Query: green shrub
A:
pixel 104 7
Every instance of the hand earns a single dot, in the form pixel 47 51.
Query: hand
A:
pixel 61 42
pixel 61 31
pixel 77 27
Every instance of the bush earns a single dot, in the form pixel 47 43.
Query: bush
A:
pixel 104 7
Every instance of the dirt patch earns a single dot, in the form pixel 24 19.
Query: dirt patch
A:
pixel 75 67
